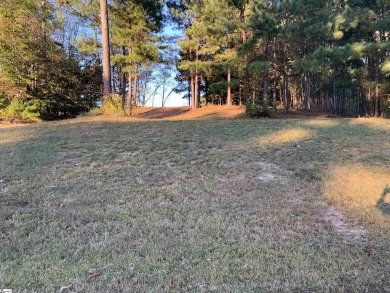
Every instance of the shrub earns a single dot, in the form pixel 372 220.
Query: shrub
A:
pixel 258 110
pixel 112 106
pixel 32 112
pixel 4 101
pixel 91 113
pixel 15 109
pixel 27 111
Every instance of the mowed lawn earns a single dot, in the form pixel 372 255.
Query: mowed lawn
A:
pixel 223 205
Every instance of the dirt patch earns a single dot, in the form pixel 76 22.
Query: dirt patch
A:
pixel 272 173
pixel 343 226
pixel 9 124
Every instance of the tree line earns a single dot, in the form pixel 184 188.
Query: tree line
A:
pixel 60 57
pixel 310 54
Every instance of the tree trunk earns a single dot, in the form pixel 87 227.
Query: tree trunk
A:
pixel 286 94
pixel 376 97
pixel 123 89
pixel 130 93
pixel 123 83
pixel 192 89
pixel 135 85
pixel 189 91
pixel 105 48
pixel 274 90
pixel 306 94
pixel 196 89
pixel 229 93
pixel 265 90
pixel 240 92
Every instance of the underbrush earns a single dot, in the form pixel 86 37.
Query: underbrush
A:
pixel 112 106
pixel 18 110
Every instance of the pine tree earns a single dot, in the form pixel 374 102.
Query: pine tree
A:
pixel 135 24
pixel 105 47
pixel 38 79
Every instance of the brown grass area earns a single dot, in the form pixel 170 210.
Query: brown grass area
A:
pixel 7 124
pixel 184 113
pixel 170 113
pixel 360 191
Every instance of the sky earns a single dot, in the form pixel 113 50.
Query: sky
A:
pixel 174 100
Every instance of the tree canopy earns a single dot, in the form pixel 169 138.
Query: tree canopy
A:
pixel 309 54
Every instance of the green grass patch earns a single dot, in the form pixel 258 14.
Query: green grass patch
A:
pixel 195 206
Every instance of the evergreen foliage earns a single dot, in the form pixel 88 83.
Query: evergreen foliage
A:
pixel 307 54
pixel 38 79
pixel 310 54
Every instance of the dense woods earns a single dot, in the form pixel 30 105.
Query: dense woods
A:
pixel 307 54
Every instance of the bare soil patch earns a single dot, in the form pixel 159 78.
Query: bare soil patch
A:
pixel 342 225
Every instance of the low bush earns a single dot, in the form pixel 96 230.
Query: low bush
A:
pixel 112 106
pixel 258 110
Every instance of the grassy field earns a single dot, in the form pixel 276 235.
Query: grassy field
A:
pixel 223 205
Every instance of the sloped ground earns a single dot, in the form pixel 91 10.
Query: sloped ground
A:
pixel 183 113
pixel 104 204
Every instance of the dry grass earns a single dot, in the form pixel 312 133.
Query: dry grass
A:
pixel 184 113
pixel 173 114
pixel 362 192
pixel 227 205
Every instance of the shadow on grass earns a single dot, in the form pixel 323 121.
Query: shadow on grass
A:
pixel 159 113
pixel 383 206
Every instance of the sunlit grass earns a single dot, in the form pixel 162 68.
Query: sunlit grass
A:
pixel 9 137
pixel 281 137
pixel 374 123
pixel 321 122
pixel 358 190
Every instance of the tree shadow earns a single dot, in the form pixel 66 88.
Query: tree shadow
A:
pixel 383 206
pixel 160 113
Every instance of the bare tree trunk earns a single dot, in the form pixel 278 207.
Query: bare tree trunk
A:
pixel 105 47
pixel 123 89
pixel 240 92
pixel 196 89
pixel 163 96
pixel 229 100
pixel 192 89
pixel 306 89
pixel 266 85
pixel 196 83
pixel 286 82
pixel 135 86
pixel 198 96
pixel 376 96
pixel 130 93
pixel 189 91
pixel 286 94
pixel 123 82
pixel 243 37
pixel 274 89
